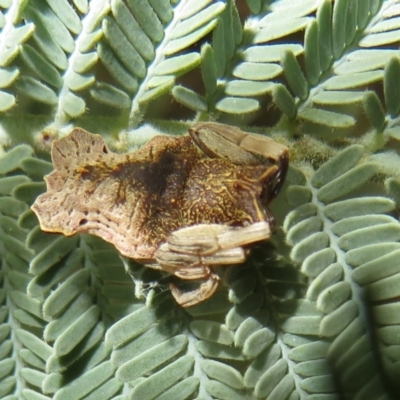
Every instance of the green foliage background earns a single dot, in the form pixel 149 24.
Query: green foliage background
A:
pixel 314 313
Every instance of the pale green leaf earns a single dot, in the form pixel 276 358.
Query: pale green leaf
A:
pixel 157 91
pixel 131 326
pixel 89 41
pixel 365 254
pixel 7 77
pixel 298 195
pixel 249 326
pixel 294 75
pixel 393 188
pixel 73 105
pixel 152 358
pixel 7 101
pixel 257 342
pixel 65 293
pixel 374 110
pixel 245 88
pixel 304 229
pixel 311 368
pixel 196 21
pixel 163 9
pixel 309 351
pixel 284 100
pixel 110 95
pixel 359 206
pixel 37 289
pixel 238 313
pixel 78 82
pixel 347 182
pixel 36 90
pixel 334 323
pixel 85 383
pixel 254 5
pixel 193 7
pixel 152 337
pixel 312 244
pixel 10 243
pixel 123 48
pixel 379 39
pixel 328 118
pixel 377 269
pixel 181 391
pixel 241 289
pixel 260 364
pixel 40 66
pixel 353 80
pixel 216 350
pixel 256 71
pixel 76 332
pixel 326 278
pixel 27 192
pixel 333 296
pixel 321 383
pixel 208 71
pixel 284 388
pixel 277 30
pixel 8 183
pixel 324 18
pixel 270 379
pixel 46 42
pixel 24 302
pixel 8 55
pixel 237 105
pixel 58 249
pixel 178 64
pixel 33 343
pixel 352 223
pixel 122 76
pixel 223 373
pixel 336 97
pixel 184 42
pixel 385 289
pixel 338 165
pixel 161 380
pixel 391 87
pixel 220 391
pixel 311 52
pixel 270 53
pixel 161 80
pixel 363 11
pixel 20 35
pixel 81 5
pixel 364 60
pixel 339 27
pixel 317 262
pixel 66 14
pixel 212 331
pixel 147 18
pixel 387 314
pixel 132 30
pixel 367 236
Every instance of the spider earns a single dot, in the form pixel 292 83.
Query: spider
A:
pixel 183 205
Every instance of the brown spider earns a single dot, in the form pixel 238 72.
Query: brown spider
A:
pixel 179 204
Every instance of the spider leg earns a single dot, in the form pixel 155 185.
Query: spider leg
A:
pixel 190 253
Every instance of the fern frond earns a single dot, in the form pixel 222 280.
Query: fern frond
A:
pixel 334 242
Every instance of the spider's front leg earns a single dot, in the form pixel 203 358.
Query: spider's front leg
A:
pixel 191 253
